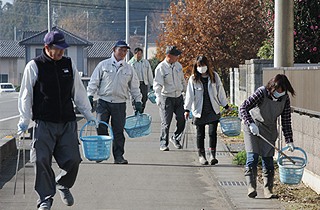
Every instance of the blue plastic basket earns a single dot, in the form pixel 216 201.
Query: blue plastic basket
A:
pixel 230 126
pixel 190 117
pixel 290 173
pixel 152 97
pixel 138 125
pixel 96 148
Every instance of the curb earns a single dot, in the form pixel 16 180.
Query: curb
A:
pixel 8 146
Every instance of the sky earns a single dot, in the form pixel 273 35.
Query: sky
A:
pixel 5 1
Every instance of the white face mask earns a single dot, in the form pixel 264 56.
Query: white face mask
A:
pixel 278 95
pixel 202 69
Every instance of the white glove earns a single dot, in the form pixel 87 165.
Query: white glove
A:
pixel 254 129
pixel 158 101
pixel 93 121
pixel 291 146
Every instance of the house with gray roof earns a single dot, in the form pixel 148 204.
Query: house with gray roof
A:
pixel 12 61
pixel 77 51
pixel 15 54
pixel 99 51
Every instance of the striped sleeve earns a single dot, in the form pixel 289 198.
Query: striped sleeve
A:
pixel 286 121
pixel 254 100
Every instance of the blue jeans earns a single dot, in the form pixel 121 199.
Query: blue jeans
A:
pixel 253 158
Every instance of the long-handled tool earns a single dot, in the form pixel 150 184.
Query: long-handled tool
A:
pixel 24 167
pixel 185 134
pixel 264 139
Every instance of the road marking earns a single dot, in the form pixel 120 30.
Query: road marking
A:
pixel 8 101
pixel 9 118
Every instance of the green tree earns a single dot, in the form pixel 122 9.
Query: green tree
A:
pixel 306 31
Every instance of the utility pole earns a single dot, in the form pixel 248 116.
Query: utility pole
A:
pixel 15 33
pixel 49 16
pixel 127 27
pixel 283 34
pixel 87 24
pixel 146 39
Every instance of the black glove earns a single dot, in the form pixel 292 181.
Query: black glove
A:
pixel 91 100
pixel 138 107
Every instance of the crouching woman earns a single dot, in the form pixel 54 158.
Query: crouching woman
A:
pixel 260 112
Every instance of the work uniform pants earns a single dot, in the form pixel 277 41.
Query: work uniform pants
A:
pixel 171 105
pixel 117 112
pixel 59 140
pixel 144 93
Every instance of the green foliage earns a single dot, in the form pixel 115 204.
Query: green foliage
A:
pixel 154 63
pixel 266 51
pixel 18 88
pixel 241 158
pixel 233 113
pixel 306 31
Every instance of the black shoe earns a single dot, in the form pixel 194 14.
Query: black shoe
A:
pixel 120 160
pixel 66 197
pixel 164 148
pixel 175 143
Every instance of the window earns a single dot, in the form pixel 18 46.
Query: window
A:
pixel 4 78
pixel 38 52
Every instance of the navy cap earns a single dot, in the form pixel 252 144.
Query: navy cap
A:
pixel 56 39
pixel 121 44
pixel 172 50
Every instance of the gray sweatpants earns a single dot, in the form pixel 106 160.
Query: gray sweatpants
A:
pixel 172 105
pixel 59 140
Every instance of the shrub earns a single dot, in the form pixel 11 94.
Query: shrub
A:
pixel 241 158
pixel 233 113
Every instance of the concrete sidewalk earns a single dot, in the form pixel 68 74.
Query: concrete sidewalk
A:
pixel 153 179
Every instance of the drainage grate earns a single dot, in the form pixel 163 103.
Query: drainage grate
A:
pixel 232 183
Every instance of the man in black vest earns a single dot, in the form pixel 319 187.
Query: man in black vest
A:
pixel 50 83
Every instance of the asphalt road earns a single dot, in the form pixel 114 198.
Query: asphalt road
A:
pixel 9 114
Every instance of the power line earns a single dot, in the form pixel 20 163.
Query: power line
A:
pixel 96 6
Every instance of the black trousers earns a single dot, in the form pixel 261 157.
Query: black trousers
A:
pixel 117 113
pixel 212 135
pixel 144 93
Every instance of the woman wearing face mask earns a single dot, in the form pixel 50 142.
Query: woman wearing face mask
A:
pixel 260 112
pixel 204 96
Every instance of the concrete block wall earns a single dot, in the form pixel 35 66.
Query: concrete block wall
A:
pixel 306 135
pixel 254 79
pixel 255 73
